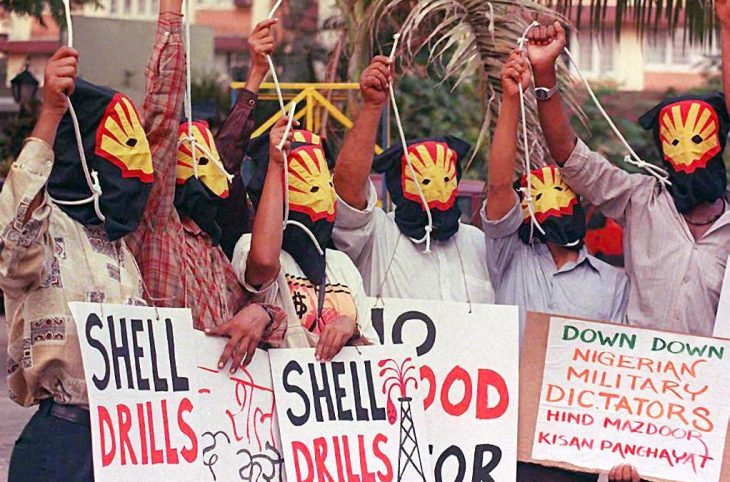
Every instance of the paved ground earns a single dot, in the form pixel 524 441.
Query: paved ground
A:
pixel 12 417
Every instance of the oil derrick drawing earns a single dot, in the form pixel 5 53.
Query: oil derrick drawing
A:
pixel 396 378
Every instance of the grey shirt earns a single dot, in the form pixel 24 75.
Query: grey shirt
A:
pixel 675 279
pixel 526 276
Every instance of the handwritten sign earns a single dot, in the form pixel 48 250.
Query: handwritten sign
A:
pixel 469 360
pixel 613 394
pixel 239 433
pixel 359 417
pixel 160 410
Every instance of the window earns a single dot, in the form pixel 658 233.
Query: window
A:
pixel 596 53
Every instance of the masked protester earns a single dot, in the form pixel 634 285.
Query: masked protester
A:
pixel 535 228
pixel 676 236
pixel 177 243
pixel 421 250
pixel 286 259
pixel 65 209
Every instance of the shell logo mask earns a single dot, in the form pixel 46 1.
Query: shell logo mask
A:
pixel 121 140
pixel 551 197
pixel 209 174
pixel 434 164
pixel 689 133
pixel 311 191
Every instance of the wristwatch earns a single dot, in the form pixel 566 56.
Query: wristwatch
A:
pixel 543 93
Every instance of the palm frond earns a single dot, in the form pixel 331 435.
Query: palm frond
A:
pixel 473 37
pixel 647 16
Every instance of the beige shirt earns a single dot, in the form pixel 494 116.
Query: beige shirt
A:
pixel 298 297
pixel 393 266
pixel 44 264
pixel 675 280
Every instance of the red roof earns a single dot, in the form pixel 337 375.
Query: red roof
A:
pixel 29 46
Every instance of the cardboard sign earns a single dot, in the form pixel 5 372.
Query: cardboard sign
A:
pixel 469 359
pixel 359 417
pixel 722 321
pixel 595 395
pixel 159 408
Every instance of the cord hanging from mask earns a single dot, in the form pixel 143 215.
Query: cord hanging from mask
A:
pixel 527 191
pixel 188 107
pixel 429 227
pixel 92 177
pixel 272 67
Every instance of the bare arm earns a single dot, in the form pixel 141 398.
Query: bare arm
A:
pixel 546 45
pixel 503 152
pixel 263 260
pixel 356 157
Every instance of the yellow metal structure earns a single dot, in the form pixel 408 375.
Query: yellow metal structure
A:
pixel 312 101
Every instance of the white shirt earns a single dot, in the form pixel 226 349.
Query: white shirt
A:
pixel 393 266
pixel 298 297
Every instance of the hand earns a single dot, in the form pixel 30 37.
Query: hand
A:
pixel 59 81
pixel 374 81
pixel 244 331
pixel 624 473
pixel 546 43
pixel 276 156
pixel 334 336
pixel 515 72
pixel 261 44
pixel 723 13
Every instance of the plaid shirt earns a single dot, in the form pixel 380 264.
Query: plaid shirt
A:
pixel 179 263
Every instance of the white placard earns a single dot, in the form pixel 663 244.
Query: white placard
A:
pixel 359 417
pixel 613 394
pixel 160 410
pixel 469 358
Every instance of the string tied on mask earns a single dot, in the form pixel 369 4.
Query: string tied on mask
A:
pixel 527 191
pixel 272 67
pixel 190 137
pixel 429 227
pixel 91 176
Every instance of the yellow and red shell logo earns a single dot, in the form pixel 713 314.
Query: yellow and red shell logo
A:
pixel 551 197
pixel 434 165
pixel 311 191
pixel 689 133
pixel 208 172
pixel 121 140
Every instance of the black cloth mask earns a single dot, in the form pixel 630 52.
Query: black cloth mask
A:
pixel 556 208
pixel 437 165
pixel 691 133
pixel 311 198
pixel 116 148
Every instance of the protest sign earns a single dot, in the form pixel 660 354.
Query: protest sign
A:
pixel 138 373
pixel 161 410
pixel 722 320
pixel 239 434
pixel 594 395
pixel 359 417
pixel 469 360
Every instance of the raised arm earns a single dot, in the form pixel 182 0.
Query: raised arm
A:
pixel 234 135
pixel 263 260
pixel 356 157
pixel 24 207
pixel 165 74
pixel 723 14
pixel 502 155
pixel 546 44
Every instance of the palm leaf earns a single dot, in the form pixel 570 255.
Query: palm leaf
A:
pixel 473 37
